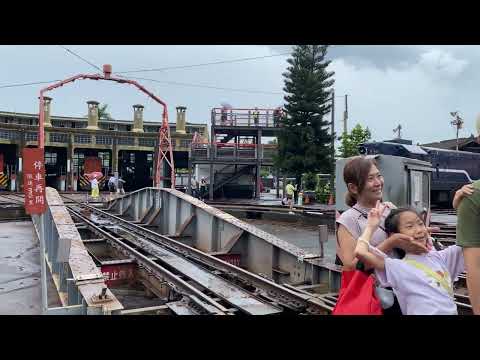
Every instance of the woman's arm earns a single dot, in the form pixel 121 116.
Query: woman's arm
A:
pixel 346 248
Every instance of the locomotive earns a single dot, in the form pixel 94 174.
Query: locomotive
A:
pixel 453 169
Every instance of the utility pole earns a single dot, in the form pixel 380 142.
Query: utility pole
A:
pixel 332 177
pixel 457 122
pixel 345 115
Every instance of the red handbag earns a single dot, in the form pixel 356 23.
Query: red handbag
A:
pixel 357 295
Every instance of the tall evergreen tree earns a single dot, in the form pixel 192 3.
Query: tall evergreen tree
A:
pixel 305 142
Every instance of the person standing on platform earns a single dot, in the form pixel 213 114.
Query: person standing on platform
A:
pixel 112 188
pixel 467 203
pixel 194 186
pixel 223 117
pixel 203 188
pixel 277 114
pixel 290 189
pixel 364 183
pixel 120 184
pixel 256 116
pixel 95 191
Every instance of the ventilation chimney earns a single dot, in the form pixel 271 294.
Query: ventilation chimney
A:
pixel 181 119
pixel 92 115
pixel 138 118
pixel 46 107
pixel 107 71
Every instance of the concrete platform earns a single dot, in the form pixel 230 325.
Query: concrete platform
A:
pixel 301 235
pixel 269 199
pixel 20 287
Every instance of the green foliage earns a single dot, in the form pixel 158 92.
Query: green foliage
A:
pixel 102 112
pixel 323 191
pixel 350 142
pixel 304 143
pixel 264 172
pixel 309 181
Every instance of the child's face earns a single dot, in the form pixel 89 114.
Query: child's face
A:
pixel 410 224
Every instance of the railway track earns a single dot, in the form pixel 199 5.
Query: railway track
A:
pixel 205 284
pixel 11 198
pixel 247 206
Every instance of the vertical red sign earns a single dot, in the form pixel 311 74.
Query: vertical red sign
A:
pixel 34 180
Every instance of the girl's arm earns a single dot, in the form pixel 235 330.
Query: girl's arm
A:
pixel 362 251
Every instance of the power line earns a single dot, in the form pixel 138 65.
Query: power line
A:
pixel 207 86
pixel 166 68
pixel 26 84
pixel 157 81
pixel 204 64
pixel 81 58
pixel 162 69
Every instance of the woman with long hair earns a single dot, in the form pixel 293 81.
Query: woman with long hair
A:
pixel 364 188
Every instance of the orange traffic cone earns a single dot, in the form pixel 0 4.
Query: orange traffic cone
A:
pixel 330 200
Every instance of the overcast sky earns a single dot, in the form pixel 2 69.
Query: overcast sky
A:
pixel 415 86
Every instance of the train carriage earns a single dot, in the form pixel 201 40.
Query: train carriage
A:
pixel 453 169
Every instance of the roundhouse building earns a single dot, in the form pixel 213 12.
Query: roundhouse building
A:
pixel 122 146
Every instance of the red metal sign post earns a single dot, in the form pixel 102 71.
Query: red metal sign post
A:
pixel 34 180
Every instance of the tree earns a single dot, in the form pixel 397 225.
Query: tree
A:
pixel 102 112
pixel 304 143
pixel 350 142
pixel 309 181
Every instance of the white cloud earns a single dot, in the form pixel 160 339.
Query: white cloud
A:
pixel 416 86
pixel 442 63
pixel 383 98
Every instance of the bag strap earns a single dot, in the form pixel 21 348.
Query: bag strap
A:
pixel 429 272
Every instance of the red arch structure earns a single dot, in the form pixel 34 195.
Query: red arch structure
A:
pixel 164 149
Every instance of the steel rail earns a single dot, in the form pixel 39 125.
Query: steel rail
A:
pixel 280 294
pixel 175 281
pixel 234 294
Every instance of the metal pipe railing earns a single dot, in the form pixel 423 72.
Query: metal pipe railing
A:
pixel 67 263
pixel 234 151
pixel 247 117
